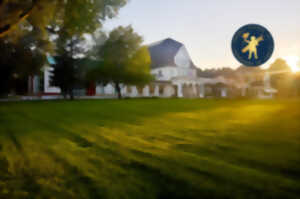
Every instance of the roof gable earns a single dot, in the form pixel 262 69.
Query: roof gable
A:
pixel 163 52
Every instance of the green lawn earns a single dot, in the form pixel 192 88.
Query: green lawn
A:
pixel 150 148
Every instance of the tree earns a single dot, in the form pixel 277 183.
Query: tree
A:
pixel 279 65
pixel 64 75
pixel 67 69
pixel 18 61
pixel 67 74
pixel 123 60
pixel 281 77
pixel 37 20
pixel 76 15
pixel 296 83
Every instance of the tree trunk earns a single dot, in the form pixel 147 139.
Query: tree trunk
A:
pixel 118 88
pixel 71 94
pixel 64 92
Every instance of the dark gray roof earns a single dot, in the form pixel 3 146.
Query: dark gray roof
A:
pixel 163 53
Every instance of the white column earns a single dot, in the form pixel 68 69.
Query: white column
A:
pixel 109 89
pixel 46 80
pixel 146 91
pixel 156 91
pixel 36 84
pixel 179 90
pixel 224 92
pixel 244 91
pixel 124 90
pixel 194 89
pixel 168 91
pixel 134 91
pixel 202 91
pixel 99 90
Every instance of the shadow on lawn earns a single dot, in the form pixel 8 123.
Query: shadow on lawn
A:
pixel 165 186
pixel 74 183
pixel 131 111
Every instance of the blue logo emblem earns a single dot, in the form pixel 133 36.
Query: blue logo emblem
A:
pixel 252 45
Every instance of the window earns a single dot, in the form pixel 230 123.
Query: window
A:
pixel 160 74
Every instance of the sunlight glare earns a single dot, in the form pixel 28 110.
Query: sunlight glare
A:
pixel 293 62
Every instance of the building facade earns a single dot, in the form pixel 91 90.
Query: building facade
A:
pixel 175 76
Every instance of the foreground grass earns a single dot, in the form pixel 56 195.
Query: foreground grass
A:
pixel 150 149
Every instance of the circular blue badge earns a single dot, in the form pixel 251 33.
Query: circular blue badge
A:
pixel 252 45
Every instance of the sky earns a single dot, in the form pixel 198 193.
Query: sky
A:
pixel 206 28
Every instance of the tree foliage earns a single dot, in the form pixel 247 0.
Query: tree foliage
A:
pixel 296 83
pixel 123 60
pixel 68 70
pixel 281 77
pixel 17 62
pixel 28 29
pixel 76 16
pixel 279 65
pixel 66 74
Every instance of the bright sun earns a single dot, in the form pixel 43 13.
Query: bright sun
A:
pixel 293 62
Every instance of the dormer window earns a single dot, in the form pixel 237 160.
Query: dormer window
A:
pixel 160 74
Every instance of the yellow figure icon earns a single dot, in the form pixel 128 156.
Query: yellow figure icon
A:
pixel 252 45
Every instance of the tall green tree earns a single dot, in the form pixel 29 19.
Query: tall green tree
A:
pixel 78 17
pixel 41 21
pixel 123 60
pixel 67 69
pixel 65 75
pixel 18 61
pixel 281 77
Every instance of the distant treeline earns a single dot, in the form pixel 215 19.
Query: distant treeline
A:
pixel 227 72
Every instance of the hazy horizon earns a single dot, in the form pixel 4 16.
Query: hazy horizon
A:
pixel 206 28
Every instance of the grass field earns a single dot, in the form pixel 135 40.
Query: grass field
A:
pixel 142 149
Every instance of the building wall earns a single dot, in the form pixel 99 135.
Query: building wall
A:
pixel 169 72
pixel 47 86
pixel 170 82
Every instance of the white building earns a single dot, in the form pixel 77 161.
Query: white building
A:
pixel 174 71
pixel 175 74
